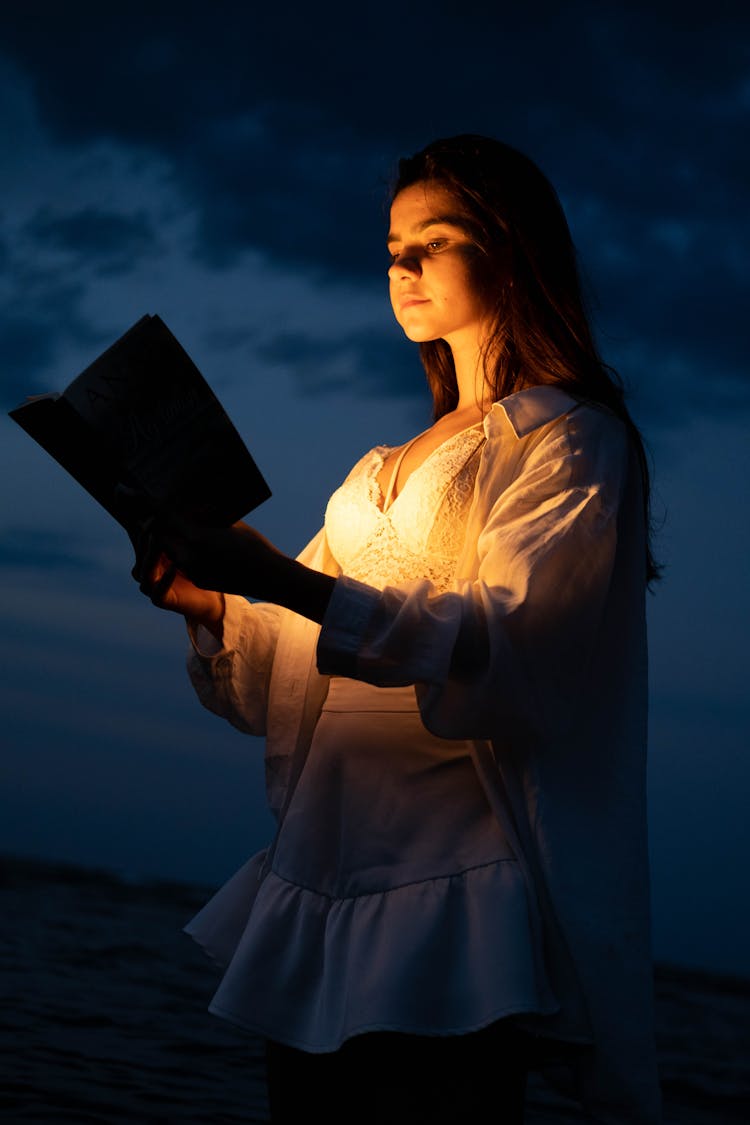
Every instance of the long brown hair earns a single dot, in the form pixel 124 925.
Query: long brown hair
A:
pixel 540 331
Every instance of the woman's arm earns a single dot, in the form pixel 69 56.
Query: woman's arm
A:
pixel 513 640
pixel 230 666
pixel 184 565
pixel 231 670
pixel 557 567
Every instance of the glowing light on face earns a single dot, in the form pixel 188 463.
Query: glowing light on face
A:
pixel 434 275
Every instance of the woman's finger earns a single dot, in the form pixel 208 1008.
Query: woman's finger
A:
pixel 147 553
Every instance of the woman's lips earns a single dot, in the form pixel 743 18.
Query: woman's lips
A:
pixel 408 302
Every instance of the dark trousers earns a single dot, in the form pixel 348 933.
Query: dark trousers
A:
pixel 390 1078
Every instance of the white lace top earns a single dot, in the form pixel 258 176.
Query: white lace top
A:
pixel 420 533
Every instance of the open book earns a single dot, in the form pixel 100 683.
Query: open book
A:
pixel 143 432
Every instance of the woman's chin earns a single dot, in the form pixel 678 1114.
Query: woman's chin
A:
pixel 418 335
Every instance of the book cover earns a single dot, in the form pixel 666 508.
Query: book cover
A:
pixel 142 422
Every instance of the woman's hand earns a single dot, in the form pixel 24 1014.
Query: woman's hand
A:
pixel 168 588
pixel 182 567
pixel 235 559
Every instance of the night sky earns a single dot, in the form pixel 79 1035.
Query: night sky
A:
pixel 227 167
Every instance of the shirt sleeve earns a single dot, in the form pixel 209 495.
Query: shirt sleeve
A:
pixel 233 679
pixel 511 646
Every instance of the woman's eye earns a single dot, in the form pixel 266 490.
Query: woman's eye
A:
pixel 434 246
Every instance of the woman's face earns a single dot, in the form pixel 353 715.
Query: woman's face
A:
pixel 435 273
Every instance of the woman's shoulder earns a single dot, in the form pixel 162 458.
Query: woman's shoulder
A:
pixel 549 413
pixel 368 463
pixel 555 441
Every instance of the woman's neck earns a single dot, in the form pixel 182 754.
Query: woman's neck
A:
pixel 474 391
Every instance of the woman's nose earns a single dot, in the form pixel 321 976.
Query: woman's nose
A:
pixel 406 265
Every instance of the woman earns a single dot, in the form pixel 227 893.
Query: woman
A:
pixel 451 681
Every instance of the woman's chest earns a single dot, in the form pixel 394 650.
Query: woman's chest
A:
pixel 385 540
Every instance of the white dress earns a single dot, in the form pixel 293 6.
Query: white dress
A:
pixel 391 899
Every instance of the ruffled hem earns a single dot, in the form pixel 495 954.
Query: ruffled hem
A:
pixel 443 956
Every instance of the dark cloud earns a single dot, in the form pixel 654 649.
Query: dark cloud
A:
pixel 282 126
pixel 41 319
pixel 108 238
pixel 34 327
pixel 316 200
pixel 43 314
pixel 676 288
pixel 366 362
pixel 25 351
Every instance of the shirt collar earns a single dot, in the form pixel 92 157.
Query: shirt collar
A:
pixel 529 409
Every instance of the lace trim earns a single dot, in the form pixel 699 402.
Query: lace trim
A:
pixel 421 533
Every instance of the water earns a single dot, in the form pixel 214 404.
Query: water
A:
pixel 103 1016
